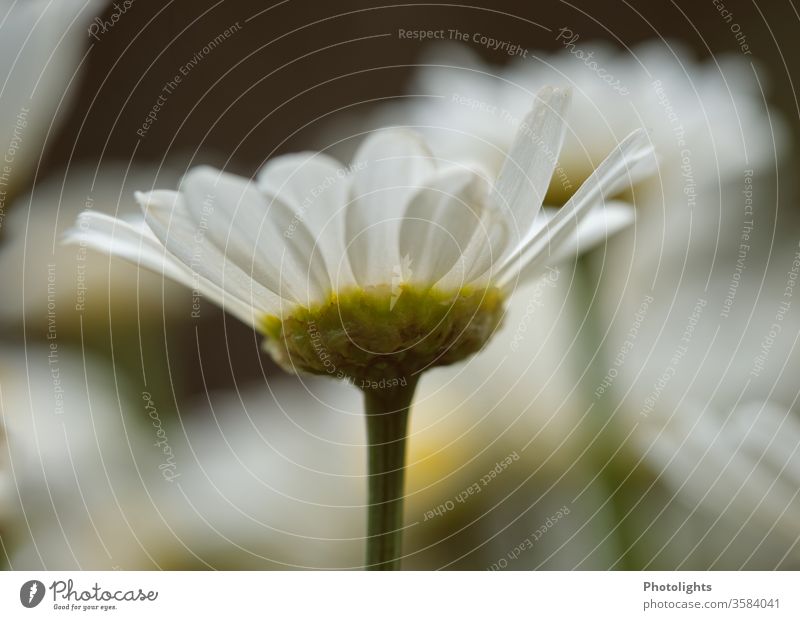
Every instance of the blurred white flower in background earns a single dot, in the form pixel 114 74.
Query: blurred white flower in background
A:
pixel 41 52
pixel 232 484
pixel 63 433
pixel 742 466
pixel 711 110
pixel 728 312
pixel 103 479
pixel 73 281
pixel 271 477
pixel 42 44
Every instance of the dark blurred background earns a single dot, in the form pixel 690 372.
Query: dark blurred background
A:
pixel 294 64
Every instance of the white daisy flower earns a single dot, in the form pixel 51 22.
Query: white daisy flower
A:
pixel 377 272
pixel 411 256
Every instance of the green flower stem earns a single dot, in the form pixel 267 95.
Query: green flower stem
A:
pixel 387 412
pixel 606 438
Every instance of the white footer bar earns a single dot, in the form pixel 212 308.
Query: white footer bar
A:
pixel 385 596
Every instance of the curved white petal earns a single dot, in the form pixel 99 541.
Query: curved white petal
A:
pixel 136 243
pixel 388 169
pixel 167 216
pixel 525 176
pixel 488 244
pixel 600 184
pixel 601 223
pixel 439 222
pixel 315 186
pixel 127 240
pixel 311 183
pixel 265 239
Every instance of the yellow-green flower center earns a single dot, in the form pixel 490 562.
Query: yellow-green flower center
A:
pixel 383 336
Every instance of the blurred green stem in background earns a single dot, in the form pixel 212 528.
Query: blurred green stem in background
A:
pixel 601 431
pixel 387 412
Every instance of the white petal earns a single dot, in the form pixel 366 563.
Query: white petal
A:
pixel 167 216
pixel 604 180
pixel 526 173
pixel 125 240
pixel 439 222
pixel 311 183
pixel 487 246
pixel 601 223
pixel 136 243
pixel 315 186
pixel 266 240
pixel 389 168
